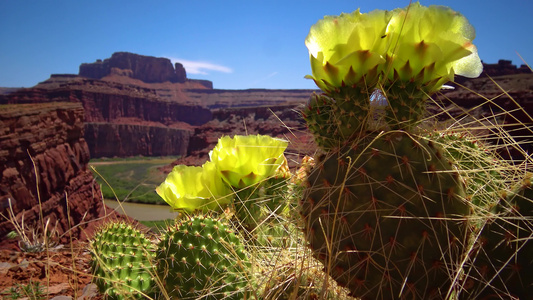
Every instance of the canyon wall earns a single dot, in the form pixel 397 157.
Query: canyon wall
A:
pixel 106 101
pixel 214 98
pixel 44 156
pixel 122 120
pixel 504 100
pixel 158 117
pixel 123 140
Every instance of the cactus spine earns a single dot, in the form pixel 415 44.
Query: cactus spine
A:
pixel 122 260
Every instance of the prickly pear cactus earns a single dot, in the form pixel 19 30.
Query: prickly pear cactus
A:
pixel 502 259
pixel 386 209
pixel 387 219
pixel 122 261
pixel 201 257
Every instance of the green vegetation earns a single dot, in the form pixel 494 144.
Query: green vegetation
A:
pixel 131 179
pixel 32 291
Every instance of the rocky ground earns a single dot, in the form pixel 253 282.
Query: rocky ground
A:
pixel 61 273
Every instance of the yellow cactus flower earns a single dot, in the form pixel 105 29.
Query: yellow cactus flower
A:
pixel 425 44
pixel 430 45
pixel 192 188
pixel 345 48
pixel 246 160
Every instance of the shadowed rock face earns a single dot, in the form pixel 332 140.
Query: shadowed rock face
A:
pixel 43 155
pixel 123 140
pixel 145 68
pixel 156 118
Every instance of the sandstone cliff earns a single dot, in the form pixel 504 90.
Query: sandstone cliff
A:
pixel 282 121
pixel 148 69
pixel 504 67
pixel 122 104
pixel 43 155
pixel 106 101
pixel 214 98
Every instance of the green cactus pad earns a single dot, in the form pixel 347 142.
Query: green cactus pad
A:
pixel 339 117
pixel 122 260
pixel 503 256
pixel 407 102
pixel 480 167
pixel 388 218
pixel 201 257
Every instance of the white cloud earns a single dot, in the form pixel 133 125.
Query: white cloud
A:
pixel 200 67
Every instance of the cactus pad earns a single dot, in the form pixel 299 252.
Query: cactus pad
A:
pixel 387 218
pixel 201 257
pixel 122 261
pixel 503 256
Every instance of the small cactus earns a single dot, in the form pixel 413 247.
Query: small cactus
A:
pixel 122 261
pixel 201 257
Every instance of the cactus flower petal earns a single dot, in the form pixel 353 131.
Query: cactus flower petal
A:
pixel 191 188
pixel 348 44
pixel 246 160
pixel 435 34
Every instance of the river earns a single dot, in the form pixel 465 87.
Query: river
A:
pixel 143 212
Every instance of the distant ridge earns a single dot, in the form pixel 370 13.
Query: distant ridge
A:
pixel 148 69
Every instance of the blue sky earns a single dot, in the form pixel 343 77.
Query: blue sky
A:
pixel 235 44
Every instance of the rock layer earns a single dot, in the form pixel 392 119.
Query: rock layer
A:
pixel 43 163
pixel 505 100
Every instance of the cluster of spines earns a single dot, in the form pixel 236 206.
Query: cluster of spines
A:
pixel 258 202
pixel 122 260
pixel 201 257
pixel 481 169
